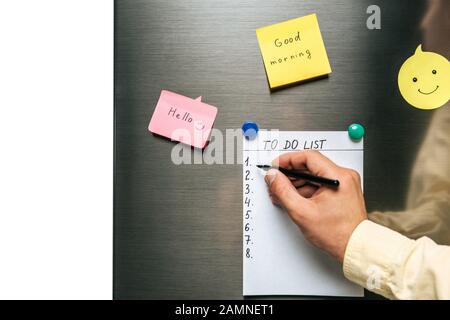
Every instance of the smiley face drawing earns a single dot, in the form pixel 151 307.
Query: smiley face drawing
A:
pixel 199 125
pixel 424 80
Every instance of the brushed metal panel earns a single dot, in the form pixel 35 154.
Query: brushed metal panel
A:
pixel 178 229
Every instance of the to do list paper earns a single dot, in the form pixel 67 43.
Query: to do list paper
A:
pixel 277 258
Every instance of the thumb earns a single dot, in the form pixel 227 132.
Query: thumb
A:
pixel 282 188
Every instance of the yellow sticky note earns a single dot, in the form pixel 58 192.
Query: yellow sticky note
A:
pixel 293 51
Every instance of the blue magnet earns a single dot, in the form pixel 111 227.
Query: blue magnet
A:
pixel 250 129
pixel 356 131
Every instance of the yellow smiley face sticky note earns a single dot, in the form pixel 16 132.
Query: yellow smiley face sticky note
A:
pixel 293 51
pixel 424 80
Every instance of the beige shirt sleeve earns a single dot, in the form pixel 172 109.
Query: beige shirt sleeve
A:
pixel 396 267
pixel 427 211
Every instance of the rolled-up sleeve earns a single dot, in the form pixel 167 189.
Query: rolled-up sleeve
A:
pixel 392 265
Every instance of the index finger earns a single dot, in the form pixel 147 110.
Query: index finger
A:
pixel 310 160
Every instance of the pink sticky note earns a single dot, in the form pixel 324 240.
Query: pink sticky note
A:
pixel 183 119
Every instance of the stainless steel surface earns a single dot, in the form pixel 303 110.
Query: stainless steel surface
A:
pixel 178 229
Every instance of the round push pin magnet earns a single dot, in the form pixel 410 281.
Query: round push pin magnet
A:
pixel 356 131
pixel 250 130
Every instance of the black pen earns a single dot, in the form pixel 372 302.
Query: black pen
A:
pixel 303 175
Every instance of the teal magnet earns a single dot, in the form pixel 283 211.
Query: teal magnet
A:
pixel 356 131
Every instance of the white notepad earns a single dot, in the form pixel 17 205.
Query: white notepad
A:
pixel 277 258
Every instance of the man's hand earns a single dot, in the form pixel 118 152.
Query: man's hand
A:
pixel 327 216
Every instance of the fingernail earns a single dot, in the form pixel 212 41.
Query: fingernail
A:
pixel 274 200
pixel 275 162
pixel 270 176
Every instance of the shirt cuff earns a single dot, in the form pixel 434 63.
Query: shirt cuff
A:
pixel 373 255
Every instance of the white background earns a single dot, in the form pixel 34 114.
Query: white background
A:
pixel 56 149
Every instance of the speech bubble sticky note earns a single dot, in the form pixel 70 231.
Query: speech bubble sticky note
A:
pixel 293 51
pixel 424 80
pixel 183 119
